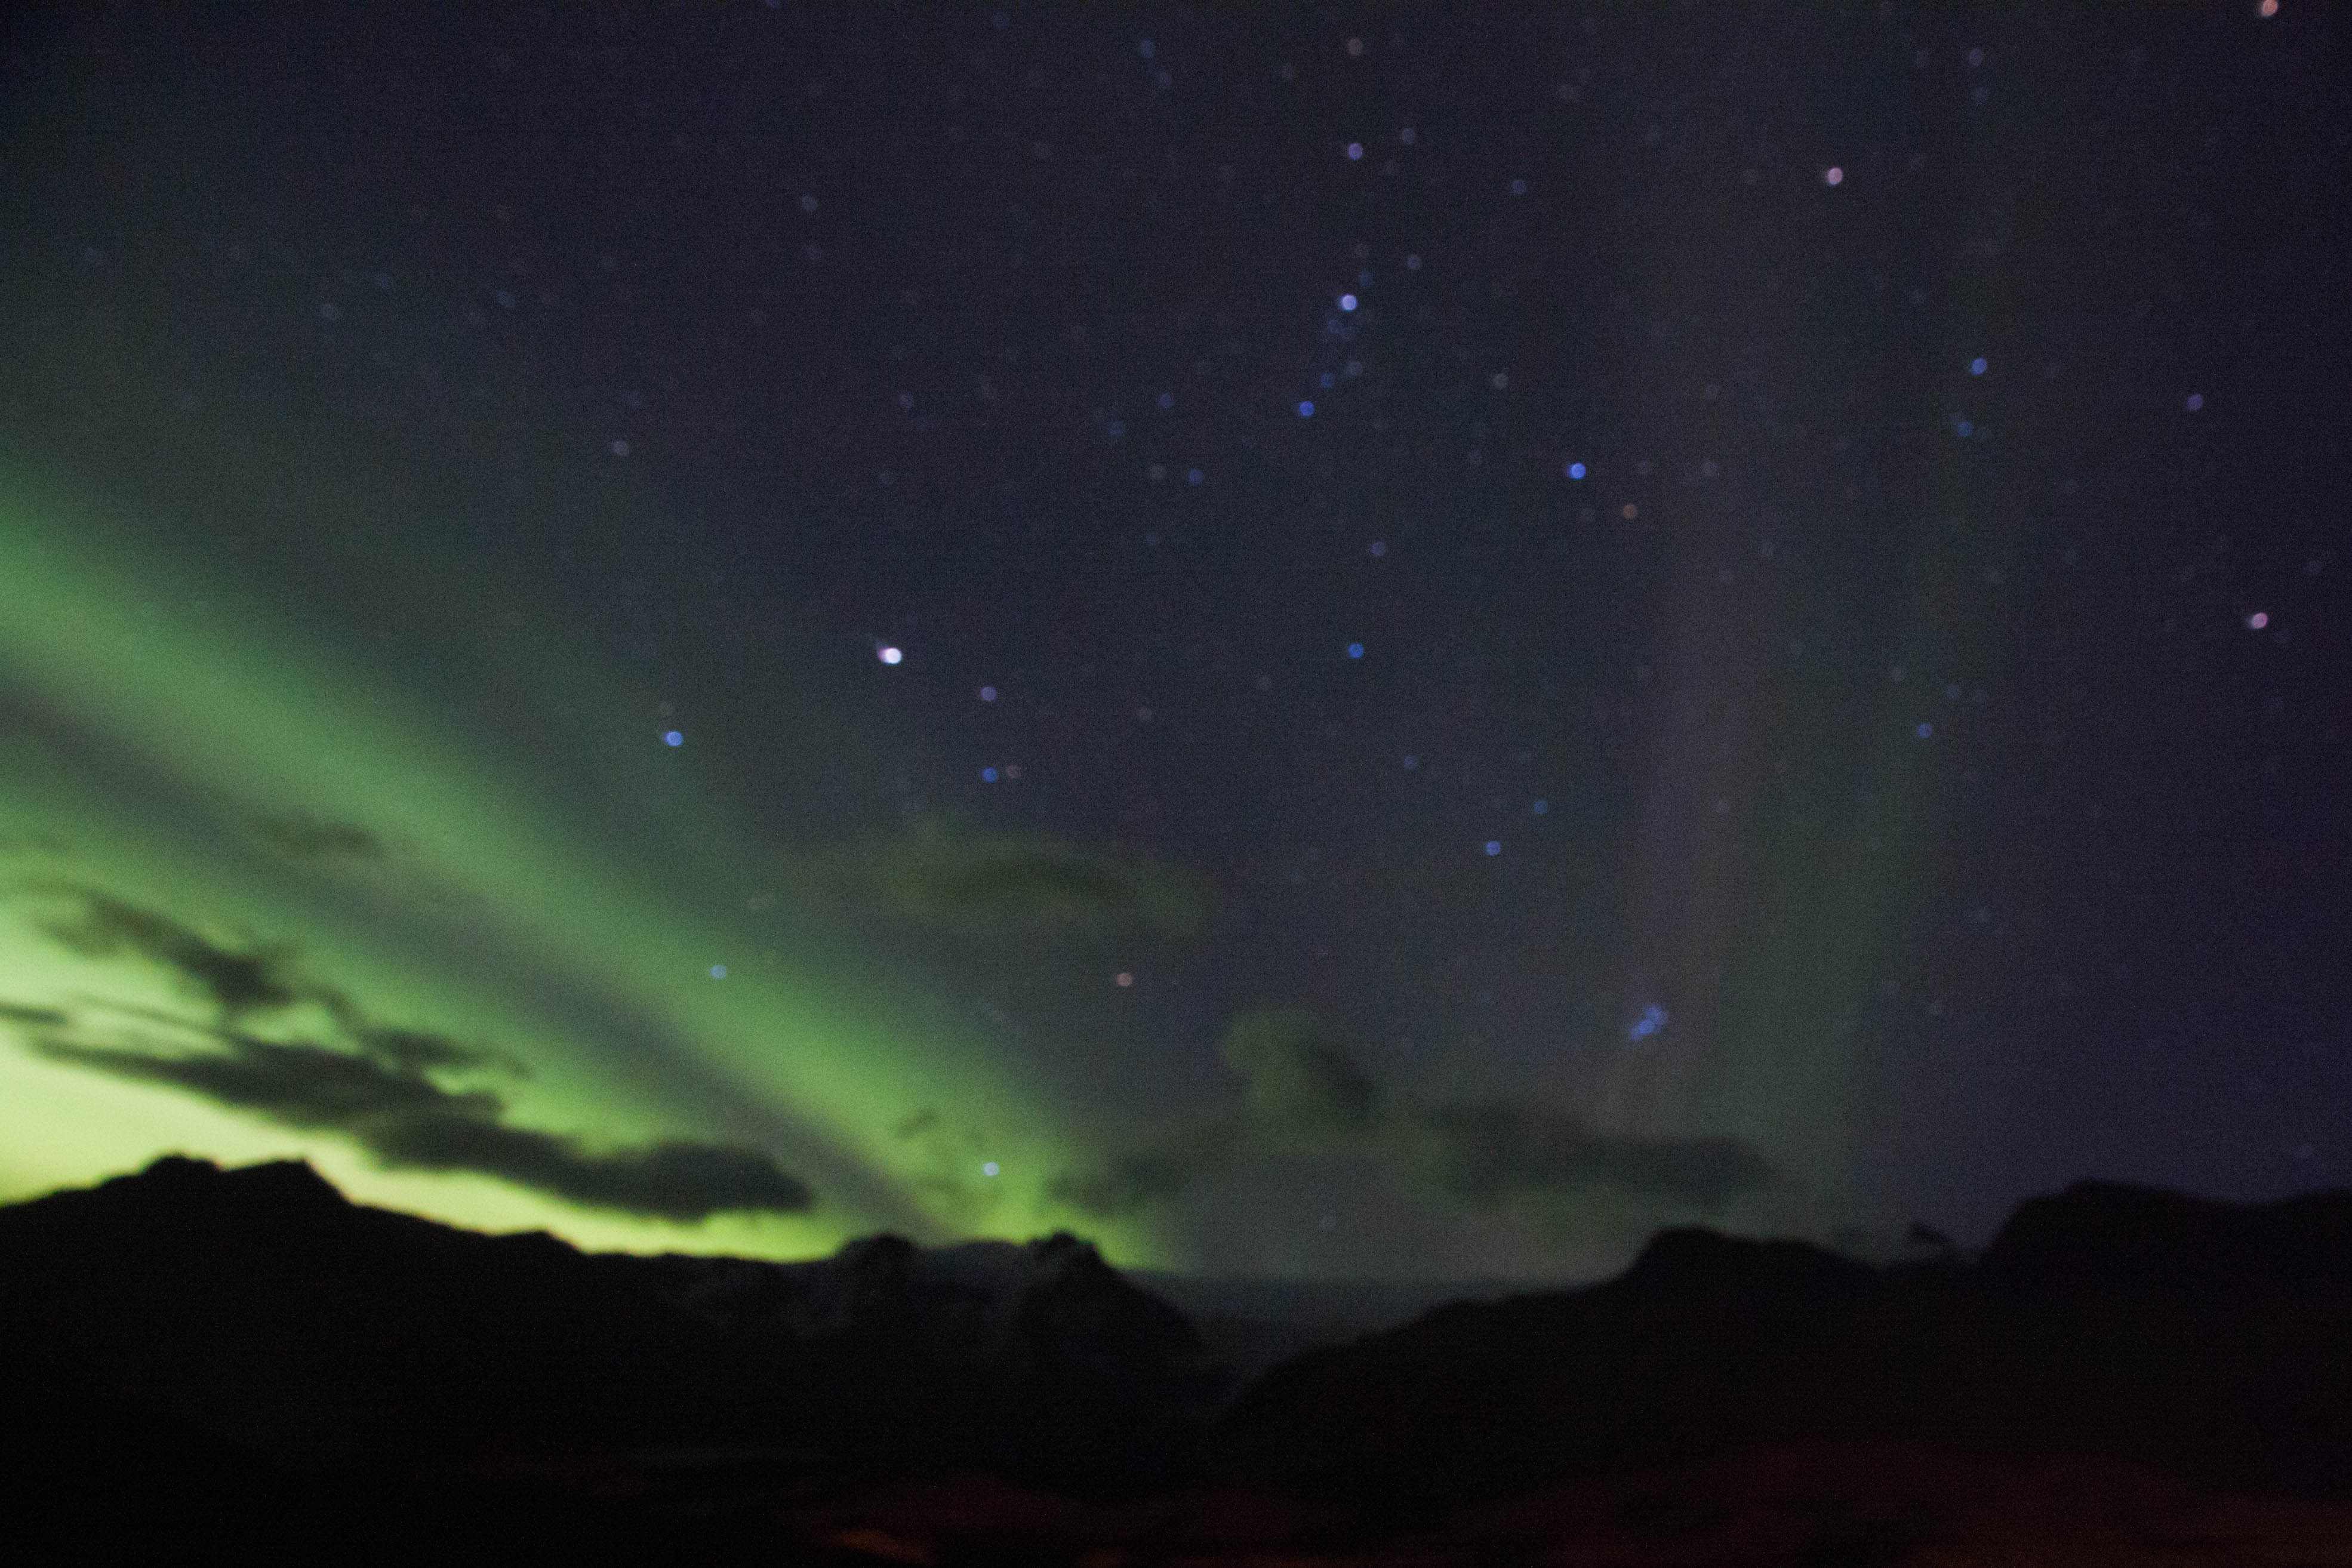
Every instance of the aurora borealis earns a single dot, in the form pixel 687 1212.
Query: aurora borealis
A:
pixel 163 799
pixel 1489 658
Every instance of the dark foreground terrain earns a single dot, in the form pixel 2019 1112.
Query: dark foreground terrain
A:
pixel 198 1359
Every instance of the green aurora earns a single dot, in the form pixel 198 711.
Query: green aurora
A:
pixel 262 899
pixel 506 861
pixel 249 795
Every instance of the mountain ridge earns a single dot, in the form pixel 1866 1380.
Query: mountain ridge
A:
pixel 2194 1337
pixel 249 1336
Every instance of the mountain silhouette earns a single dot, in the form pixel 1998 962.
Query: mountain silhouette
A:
pixel 2101 1236
pixel 2201 1339
pixel 244 1356
pixel 260 1306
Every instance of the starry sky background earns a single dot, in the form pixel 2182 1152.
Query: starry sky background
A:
pixel 1398 641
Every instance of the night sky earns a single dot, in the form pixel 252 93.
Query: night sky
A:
pixel 1395 641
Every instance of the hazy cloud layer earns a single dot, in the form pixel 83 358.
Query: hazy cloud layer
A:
pixel 309 839
pixel 992 883
pixel 373 1084
pixel 1491 1152
pixel 1303 1095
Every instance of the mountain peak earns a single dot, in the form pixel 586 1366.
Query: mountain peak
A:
pixel 2112 1234
pixel 183 1193
pixel 1696 1262
pixel 275 1192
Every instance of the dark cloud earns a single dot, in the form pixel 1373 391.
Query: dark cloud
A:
pixel 373 1084
pixel 1488 1153
pixel 411 1051
pixel 244 981
pixel 307 838
pixel 420 1051
pixel 250 981
pixel 1139 1177
pixel 238 981
pixel 408 1121
pixel 1297 1078
pixel 301 1085
pixel 1003 882
pixel 1303 1095
pixel 671 1180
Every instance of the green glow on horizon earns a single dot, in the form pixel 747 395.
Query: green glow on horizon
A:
pixel 148 734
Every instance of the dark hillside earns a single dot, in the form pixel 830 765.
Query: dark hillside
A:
pixel 206 1354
